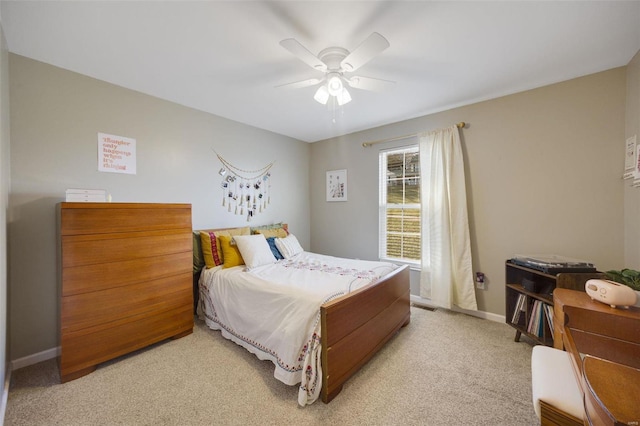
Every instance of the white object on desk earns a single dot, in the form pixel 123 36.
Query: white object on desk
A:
pixel 610 293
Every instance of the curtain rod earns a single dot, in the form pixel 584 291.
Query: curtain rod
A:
pixel 460 125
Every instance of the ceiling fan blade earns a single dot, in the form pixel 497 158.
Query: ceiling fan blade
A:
pixel 369 48
pixel 302 53
pixel 368 83
pixel 301 84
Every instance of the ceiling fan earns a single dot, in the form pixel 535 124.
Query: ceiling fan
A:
pixel 336 63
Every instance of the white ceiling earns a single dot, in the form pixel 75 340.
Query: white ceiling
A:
pixel 224 57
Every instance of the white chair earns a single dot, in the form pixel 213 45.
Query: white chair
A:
pixel 557 398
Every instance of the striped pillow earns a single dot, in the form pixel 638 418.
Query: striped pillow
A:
pixel 289 246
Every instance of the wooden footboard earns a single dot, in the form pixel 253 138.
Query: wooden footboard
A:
pixel 357 325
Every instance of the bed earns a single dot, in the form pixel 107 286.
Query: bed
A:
pixel 316 335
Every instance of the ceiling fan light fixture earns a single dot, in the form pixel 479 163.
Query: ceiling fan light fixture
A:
pixel 343 97
pixel 322 95
pixel 334 85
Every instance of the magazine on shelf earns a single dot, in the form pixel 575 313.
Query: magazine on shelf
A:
pixel 536 324
pixel 520 307
pixel 532 321
pixel 548 310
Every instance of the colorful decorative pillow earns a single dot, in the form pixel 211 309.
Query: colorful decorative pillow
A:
pixel 254 250
pixel 211 250
pixel 289 246
pixel 230 252
pixel 198 258
pixel 274 249
pixel 274 232
pixel 254 229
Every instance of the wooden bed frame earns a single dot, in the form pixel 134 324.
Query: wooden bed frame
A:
pixel 357 325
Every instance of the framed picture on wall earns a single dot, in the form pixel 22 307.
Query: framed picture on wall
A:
pixel 630 159
pixel 337 185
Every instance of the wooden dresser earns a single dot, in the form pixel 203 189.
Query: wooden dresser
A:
pixel 125 273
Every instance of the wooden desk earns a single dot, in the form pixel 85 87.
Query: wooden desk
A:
pixel 613 392
pixel 604 344
pixel 600 318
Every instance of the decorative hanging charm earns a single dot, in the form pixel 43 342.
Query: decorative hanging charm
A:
pixel 240 188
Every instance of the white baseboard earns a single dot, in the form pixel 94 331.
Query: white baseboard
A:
pixel 35 358
pixel 5 393
pixel 480 314
pixel 425 303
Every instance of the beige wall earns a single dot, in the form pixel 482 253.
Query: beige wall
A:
pixel 55 118
pixel 5 179
pixel 543 170
pixel 632 195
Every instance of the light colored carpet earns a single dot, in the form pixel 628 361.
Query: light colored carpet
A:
pixel 443 368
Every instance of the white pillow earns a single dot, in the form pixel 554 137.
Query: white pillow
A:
pixel 289 246
pixel 254 250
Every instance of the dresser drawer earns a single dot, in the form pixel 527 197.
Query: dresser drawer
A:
pixel 100 307
pixel 89 347
pixel 105 218
pixel 87 250
pixel 101 276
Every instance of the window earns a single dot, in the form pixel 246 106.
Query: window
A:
pixel 400 204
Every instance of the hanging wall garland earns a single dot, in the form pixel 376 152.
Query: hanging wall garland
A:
pixel 245 191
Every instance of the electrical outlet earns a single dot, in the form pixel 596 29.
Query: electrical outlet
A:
pixel 480 281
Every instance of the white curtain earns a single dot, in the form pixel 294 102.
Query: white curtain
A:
pixel 447 274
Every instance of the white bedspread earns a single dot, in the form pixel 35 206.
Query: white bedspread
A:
pixel 274 310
